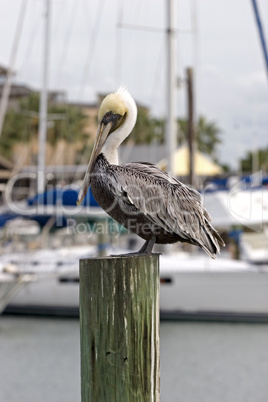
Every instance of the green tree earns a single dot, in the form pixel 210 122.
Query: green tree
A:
pixel 247 161
pixel 147 129
pixel 21 124
pixel 207 135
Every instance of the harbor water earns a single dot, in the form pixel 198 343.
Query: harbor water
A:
pixel 200 362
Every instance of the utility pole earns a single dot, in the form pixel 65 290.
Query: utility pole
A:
pixel 42 132
pixel 191 128
pixel 171 127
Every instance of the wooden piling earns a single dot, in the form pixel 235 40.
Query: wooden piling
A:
pixel 119 329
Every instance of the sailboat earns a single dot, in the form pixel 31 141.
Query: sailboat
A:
pixel 192 287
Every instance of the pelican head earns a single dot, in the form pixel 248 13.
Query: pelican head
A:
pixel 116 119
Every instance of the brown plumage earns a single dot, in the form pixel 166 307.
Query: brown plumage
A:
pixel 139 196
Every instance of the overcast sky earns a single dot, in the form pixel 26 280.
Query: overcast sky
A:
pixel 90 53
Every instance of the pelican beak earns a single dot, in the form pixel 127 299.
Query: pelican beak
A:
pixel 102 134
pixel 109 123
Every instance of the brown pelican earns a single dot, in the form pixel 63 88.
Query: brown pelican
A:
pixel 138 195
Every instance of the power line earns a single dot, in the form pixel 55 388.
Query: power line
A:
pixel 92 45
pixel 31 39
pixel 66 43
pixel 118 45
pixel 145 28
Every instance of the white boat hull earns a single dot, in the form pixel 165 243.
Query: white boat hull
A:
pixel 227 290
pixel 216 295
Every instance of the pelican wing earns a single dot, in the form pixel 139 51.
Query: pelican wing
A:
pixel 166 202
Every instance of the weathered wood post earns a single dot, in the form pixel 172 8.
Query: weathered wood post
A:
pixel 119 329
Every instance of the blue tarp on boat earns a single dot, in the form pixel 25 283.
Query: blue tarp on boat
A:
pixel 66 197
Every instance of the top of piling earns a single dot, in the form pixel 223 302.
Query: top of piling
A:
pixel 122 256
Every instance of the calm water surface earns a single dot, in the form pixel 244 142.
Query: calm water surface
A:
pixel 200 362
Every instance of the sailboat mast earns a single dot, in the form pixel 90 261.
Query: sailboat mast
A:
pixel 171 127
pixel 10 70
pixel 42 132
pixel 261 33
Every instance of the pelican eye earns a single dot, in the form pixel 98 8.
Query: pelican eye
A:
pixel 109 116
pixel 115 118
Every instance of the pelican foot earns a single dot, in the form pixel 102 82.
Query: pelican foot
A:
pixel 146 249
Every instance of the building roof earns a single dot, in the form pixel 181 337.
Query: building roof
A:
pixel 3 70
pixel 83 104
pixel 16 90
pixel 204 166
pixel 141 153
